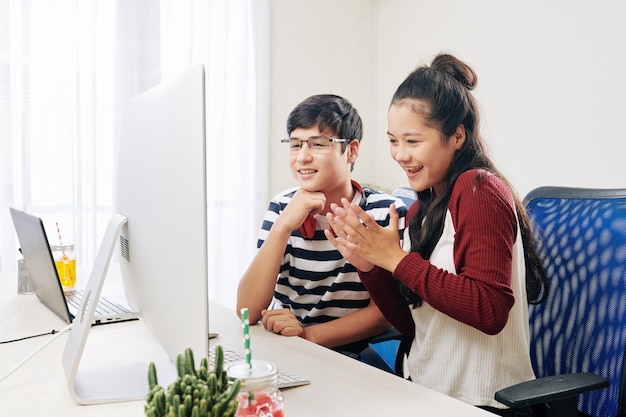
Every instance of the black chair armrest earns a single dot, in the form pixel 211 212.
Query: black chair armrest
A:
pixel 550 389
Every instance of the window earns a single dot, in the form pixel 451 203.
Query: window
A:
pixel 68 68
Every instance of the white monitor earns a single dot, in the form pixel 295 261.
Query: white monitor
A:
pixel 160 228
pixel 161 190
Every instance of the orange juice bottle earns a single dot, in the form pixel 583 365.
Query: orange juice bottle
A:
pixel 65 261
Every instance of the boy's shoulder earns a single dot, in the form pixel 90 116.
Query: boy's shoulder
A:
pixel 286 194
pixel 368 190
pixel 380 199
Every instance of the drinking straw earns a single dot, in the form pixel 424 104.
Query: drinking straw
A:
pixel 59 233
pixel 246 336
pixel 60 241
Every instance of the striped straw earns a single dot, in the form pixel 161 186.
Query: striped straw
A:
pixel 59 233
pixel 245 320
pixel 60 240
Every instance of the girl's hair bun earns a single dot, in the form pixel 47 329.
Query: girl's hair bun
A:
pixel 456 68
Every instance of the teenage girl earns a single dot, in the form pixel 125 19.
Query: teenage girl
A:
pixel 462 282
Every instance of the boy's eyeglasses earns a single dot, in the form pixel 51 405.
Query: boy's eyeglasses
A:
pixel 316 145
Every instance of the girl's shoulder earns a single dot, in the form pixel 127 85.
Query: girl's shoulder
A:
pixel 477 178
pixel 481 184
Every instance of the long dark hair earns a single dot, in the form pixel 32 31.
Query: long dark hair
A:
pixel 440 93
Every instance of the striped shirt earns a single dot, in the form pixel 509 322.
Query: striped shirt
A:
pixel 314 280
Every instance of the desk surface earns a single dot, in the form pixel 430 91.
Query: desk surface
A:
pixel 340 386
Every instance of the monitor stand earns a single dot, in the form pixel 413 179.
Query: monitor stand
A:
pixel 111 384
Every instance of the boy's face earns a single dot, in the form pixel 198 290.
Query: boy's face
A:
pixel 327 171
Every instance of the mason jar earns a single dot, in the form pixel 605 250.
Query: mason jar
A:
pixel 259 395
pixel 65 262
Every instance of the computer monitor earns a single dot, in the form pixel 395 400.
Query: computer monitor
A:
pixel 161 190
pixel 161 230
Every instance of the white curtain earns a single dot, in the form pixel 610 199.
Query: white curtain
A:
pixel 67 69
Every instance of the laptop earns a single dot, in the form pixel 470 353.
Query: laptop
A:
pixel 45 280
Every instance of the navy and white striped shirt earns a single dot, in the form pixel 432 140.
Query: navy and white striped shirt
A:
pixel 314 280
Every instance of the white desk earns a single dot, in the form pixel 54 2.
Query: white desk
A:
pixel 340 386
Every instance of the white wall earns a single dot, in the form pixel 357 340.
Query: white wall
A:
pixel 552 78
pixel 319 47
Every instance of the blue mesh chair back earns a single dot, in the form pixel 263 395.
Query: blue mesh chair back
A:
pixel 581 238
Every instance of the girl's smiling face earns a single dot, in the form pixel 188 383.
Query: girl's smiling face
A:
pixel 420 149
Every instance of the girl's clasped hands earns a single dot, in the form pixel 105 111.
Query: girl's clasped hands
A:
pixel 362 241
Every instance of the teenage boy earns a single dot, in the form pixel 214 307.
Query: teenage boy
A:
pixel 298 284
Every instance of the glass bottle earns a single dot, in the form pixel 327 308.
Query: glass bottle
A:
pixel 24 285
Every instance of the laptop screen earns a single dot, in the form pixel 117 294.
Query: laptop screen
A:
pixel 39 262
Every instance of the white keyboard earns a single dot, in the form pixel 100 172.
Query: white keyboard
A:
pixel 285 379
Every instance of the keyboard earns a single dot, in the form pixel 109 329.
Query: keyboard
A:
pixel 105 307
pixel 285 379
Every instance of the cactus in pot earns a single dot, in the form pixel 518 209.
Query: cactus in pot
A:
pixel 196 392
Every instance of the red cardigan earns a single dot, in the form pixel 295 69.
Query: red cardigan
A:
pixel 479 294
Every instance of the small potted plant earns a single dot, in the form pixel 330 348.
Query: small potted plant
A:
pixel 196 392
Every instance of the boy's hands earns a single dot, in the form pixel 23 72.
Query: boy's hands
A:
pixel 358 325
pixel 301 205
pixel 282 321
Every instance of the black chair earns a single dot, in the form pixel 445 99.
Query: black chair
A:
pixel 578 336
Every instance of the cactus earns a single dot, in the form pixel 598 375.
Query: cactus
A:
pixel 196 392
pixel 190 365
pixel 152 376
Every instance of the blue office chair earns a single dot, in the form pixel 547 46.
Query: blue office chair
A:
pixel 578 335
pixel 391 347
